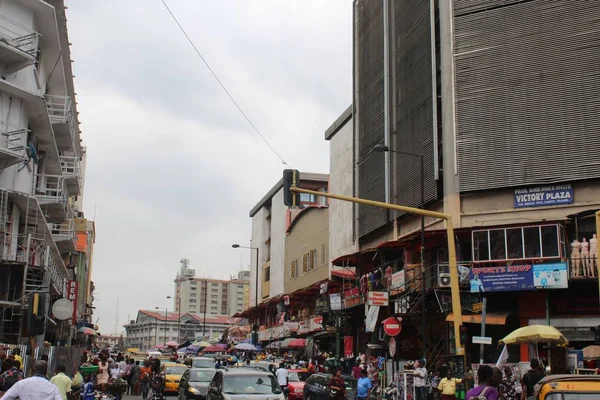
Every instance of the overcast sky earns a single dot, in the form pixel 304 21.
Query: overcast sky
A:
pixel 173 168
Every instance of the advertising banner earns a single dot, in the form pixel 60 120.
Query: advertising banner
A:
pixel 371 319
pixel 72 296
pixel 550 276
pixel 543 196
pixel 348 345
pixel 501 278
pixel 398 279
pixel 335 301
pixel 322 304
pixel 378 298
pixel 352 297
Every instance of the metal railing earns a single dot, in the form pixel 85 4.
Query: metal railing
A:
pixel 11 251
pixel 18 36
pixel 57 274
pixel 51 188
pixel 60 111
pixel 71 168
pixel 63 231
pixel 12 137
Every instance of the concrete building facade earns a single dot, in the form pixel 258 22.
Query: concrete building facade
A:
pixel 41 181
pixel 270 219
pixel 220 297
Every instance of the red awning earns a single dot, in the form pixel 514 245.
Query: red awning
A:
pixel 343 273
pixel 348 259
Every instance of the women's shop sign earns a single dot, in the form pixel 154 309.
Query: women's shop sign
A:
pixel 508 278
pixel 544 196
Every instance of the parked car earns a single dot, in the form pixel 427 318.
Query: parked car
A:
pixel 296 381
pixel 173 373
pixel 203 362
pixel 244 383
pixel 316 387
pixel 194 383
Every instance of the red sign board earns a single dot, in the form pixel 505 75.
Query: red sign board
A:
pixel 72 296
pixel 352 298
pixel 392 326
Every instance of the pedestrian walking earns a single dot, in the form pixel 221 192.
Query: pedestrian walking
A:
pixel 337 386
pixel 508 386
pixel 87 389
pixel 485 389
pixel 156 382
pixel 134 379
pixel 420 379
pixel 35 388
pixel 62 381
pixel 364 386
pixel 144 372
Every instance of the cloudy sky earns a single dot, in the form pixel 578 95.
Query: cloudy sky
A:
pixel 173 168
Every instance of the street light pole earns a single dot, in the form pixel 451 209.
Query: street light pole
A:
pixel 178 317
pixel 386 149
pixel 205 307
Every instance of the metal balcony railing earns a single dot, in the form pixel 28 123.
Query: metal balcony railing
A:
pixel 50 189
pixel 18 36
pixel 71 169
pixel 12 137
pixel 57 272
pixel 60 110
pixel 63 231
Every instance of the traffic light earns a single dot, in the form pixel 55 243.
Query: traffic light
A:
pixel 464 335
pixel 596 331
pixel 291 178
pixel 37 314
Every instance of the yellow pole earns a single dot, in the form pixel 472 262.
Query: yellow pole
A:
pixel 454 286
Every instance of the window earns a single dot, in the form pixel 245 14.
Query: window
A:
pixel 267 274
pixel 193 283
pixel 294 269
pixel 214 284
pixel 193 289
pixel 192 300
pixel 305 263
pixel 314 258
pixel 307 198
pixel 214 290
pixel 530 242
pixel 323 255
pixel 193 294
pixel 213 296
pixel 214 302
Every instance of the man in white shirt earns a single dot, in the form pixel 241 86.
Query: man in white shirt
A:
pixel 282 376
pixel 420 381
pixel 116 372
pixel 35 388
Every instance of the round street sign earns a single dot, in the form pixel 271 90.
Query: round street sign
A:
pixel 392 326
pixel 62 309
pixel 392 347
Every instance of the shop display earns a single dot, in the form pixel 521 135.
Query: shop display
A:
pixel 585 257
pixel 593 255
pixel 575 257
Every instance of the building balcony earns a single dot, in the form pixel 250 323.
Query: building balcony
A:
pixel 71 169
pixel 18 45
pixel 13 144
pixel 63 119
pixel 51 194
pixel 57 272
pixel 64 235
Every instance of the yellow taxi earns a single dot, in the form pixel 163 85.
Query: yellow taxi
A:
pixel 568 387
pixel 173 373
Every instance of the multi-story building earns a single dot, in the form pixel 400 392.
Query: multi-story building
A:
pixel 270 219
pixel 221 297
pixel 506 125
pixel 155 327
pixel 41 181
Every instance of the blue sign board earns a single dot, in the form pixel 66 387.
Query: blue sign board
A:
pixel 544 196
pixel 502 278
pixel 551 276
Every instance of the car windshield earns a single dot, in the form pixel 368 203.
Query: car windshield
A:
pixel 249 384
pixel 175 370
pixel 298 376
pixel 201 376
pixel 203 364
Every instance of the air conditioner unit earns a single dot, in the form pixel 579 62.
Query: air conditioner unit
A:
pixel 444 279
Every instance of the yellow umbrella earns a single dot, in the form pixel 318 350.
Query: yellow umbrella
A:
pixel 535 334
pixel 201 344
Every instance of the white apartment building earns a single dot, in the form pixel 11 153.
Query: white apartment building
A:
pixel 221 297
pixel 156 327
pixel 270 219
pixel 40 155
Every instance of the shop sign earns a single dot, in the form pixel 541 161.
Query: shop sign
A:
pixel 371 319
pixel 348 345
pixel 501 278
pixel 378 298
pixel 292 326
pixel 335 301
pixel 314 323
pixel 322 304
pixel 539 196
pixel 273 333
pixel 72 296
pixel 550 276
pixel 398 280
pixel 352 298
pixel 323 288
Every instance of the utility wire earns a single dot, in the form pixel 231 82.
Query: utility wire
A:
pixel 223 86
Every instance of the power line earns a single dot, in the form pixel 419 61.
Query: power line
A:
pixel 221 84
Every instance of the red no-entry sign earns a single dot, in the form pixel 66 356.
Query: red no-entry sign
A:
pixel 392 326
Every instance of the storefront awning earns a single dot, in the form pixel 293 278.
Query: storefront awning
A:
pixel 343 273
pixel 490 318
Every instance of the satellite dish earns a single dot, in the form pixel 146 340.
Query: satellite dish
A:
pixel 62 309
